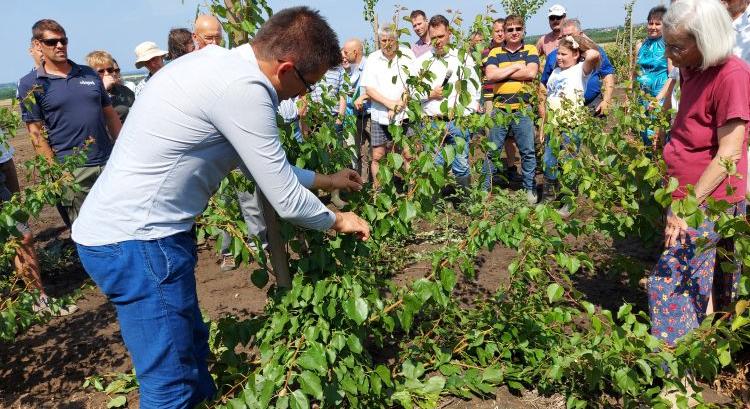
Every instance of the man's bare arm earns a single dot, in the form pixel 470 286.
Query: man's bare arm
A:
pixel 39 140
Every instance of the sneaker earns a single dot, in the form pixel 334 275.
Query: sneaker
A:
pixel 532 197
pixel 43 306
pixel 228 263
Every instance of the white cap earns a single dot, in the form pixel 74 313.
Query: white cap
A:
pixel 146 51
pixel 556 10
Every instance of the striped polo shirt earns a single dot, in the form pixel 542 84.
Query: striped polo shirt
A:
pixel 511 93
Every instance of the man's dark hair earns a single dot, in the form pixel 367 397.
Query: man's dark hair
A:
pixel 301 35
pixel 438 20
pixel 416 13
pixel 657 12
pixel 177 42
pixel 38 29
pixel 500 20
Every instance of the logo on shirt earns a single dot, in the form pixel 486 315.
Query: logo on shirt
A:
pixel 83 82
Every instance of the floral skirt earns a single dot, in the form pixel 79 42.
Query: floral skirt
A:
pixel 682 281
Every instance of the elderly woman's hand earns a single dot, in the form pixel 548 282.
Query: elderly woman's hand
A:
pixel 676 230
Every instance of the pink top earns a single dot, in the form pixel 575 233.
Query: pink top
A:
pixel 547 43
pixel 709 100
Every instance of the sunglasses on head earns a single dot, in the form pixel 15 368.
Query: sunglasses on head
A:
pixel 108 70
pixel 514 29
pixel 51 42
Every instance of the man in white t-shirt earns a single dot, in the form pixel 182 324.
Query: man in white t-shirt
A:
pixel 179 142
pixel 388 96
pixel 448 70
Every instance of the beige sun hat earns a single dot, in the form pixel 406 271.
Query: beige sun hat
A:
pixel 146 51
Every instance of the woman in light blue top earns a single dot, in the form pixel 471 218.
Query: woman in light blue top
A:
pixel 653 67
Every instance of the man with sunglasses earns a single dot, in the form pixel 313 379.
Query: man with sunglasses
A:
pixel 513 67
pixel 135 234
pixel 549 41
pixel 71 101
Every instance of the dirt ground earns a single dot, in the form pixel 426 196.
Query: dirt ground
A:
pixel 46 366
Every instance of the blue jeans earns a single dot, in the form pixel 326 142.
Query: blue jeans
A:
pixel 523 131
pixel 460 164
pixel 551 159
pixel 152 285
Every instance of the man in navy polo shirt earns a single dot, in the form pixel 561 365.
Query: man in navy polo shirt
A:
pixel 598 95
pixel 70 101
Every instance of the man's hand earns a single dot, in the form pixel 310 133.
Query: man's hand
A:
pixel 603 108
pixel 346 179
pixel 436 93
pixel 109 81
pixel 359 103
pixel 349 223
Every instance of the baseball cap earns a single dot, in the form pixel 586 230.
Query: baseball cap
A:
pixel 556 10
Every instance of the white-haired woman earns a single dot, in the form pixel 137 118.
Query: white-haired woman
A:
pixel 710 129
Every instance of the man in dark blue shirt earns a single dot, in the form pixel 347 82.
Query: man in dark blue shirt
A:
pixel 597 97
pixel 70 101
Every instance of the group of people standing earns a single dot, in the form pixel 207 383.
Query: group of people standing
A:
pixel 180 141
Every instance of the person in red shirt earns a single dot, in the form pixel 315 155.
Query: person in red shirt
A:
pixel 709 133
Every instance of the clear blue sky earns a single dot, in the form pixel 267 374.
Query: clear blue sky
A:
pixel 119 25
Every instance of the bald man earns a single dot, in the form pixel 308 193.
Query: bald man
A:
pixel 207 31
pixel 356 101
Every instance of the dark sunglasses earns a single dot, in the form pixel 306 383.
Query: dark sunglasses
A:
pixel 307 85
pixel 514 29
pixel 108 70
pixel 51 42
pixel 555 18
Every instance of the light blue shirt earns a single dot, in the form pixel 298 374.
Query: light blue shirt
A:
pixel 203 115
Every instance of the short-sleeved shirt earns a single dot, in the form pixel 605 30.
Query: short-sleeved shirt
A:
pixel 379 73
pixel 568 84
pixel 709 100
pixel 421 47
pixel 71 108
pixel 122 99
pixel 547 43
pixel 594 86
pixel 440 67
pixel 181 141
pixel 742 28
pixel 355 88
pixel 331 85
pixel 510 93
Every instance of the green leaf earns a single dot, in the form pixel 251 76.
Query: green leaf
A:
pixel 493 375
pixel 356 309
pixel 299 400
pixel 314 359
pixel 117 402
pixel 310 384
pixel 554 292
pixel 354 344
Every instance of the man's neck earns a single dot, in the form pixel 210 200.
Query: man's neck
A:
pixel 425 39
pixel 513 47
pixel 62 68
pixel 740 10
pixel 556 33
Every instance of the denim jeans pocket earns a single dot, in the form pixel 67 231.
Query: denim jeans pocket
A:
pixel 169 257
